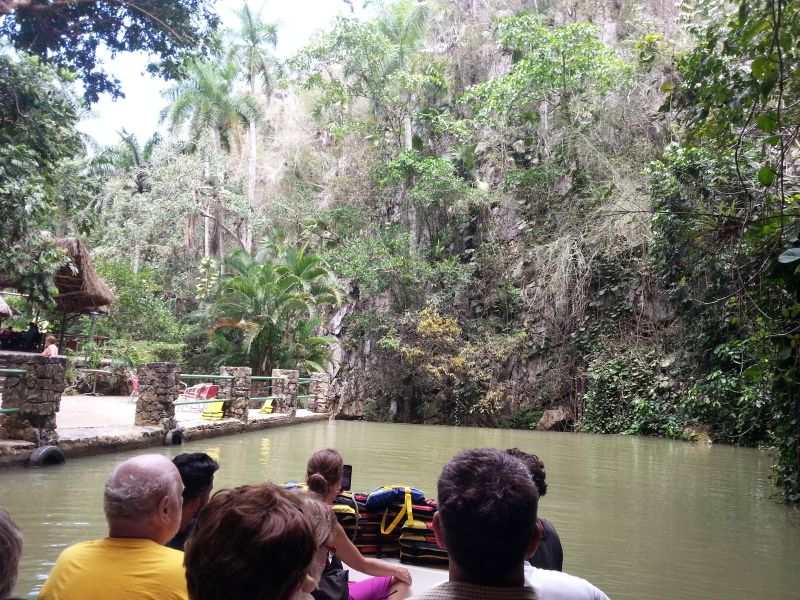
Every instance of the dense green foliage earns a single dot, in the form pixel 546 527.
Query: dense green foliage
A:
pixel 266 310
pixel 527 212
pixel 141 312
pixel 39 177
pixel 726 227
pixel 69 34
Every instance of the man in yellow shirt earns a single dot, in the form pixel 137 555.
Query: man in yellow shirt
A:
pixel 142 503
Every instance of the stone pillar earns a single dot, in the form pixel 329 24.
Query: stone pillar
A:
pixel 238 392
pixel 158 389
pixel 37 395
pixel 318 390
pixel 285 388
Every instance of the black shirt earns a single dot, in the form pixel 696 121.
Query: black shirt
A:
pixel 549 555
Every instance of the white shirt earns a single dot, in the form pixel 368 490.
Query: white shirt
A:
pixel 555 585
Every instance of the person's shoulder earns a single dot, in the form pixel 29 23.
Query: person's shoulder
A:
pixel 463 591
pixel 555 584
pixel 80 549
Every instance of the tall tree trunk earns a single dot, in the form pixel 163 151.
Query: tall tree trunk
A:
pixel 206 232
pixel 408 133
pixel 251 189
pixel 136 253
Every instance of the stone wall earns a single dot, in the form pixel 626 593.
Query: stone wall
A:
pixel 285 390
pixel 318 389
pixel 158 389
pixel 237 392
pixel 37 394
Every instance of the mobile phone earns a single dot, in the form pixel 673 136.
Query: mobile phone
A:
pixel 347 477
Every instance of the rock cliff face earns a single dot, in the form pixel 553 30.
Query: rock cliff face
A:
pixel 569 290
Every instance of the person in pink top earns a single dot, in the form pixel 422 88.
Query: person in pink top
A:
pixel 50 348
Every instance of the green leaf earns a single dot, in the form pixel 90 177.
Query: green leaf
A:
pixel 667 87
pixel 767 122
pixel 760 67
pixel 789 256
pixel 766 176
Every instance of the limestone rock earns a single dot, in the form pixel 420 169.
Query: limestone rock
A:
pixel 556 419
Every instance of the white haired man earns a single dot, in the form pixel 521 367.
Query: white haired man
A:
pixel 142 503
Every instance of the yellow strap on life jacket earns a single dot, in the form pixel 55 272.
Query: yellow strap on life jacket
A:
pixel 406 511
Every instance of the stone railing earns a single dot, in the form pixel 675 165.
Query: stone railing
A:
pixel 285 390
pixel 318 390
pixel 36 395
pixel 158 389
pixel 237 392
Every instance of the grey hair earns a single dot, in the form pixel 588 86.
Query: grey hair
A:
pixel 134 495
pixel 10 552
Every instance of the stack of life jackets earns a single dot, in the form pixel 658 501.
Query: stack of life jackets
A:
pixel 391 522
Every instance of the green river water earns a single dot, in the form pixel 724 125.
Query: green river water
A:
pixel 641 518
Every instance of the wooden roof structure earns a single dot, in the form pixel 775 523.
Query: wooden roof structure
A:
pixel 80 288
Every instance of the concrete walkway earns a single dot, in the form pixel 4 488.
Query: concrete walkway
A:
pixel 89 425
pixel 84 417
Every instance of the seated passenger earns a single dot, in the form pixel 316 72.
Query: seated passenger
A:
pixel 323 523
pixel 543 573
pixel 487 522
pixel 549 554
pixel 250 543
pixel 197 473
pixel 142 504
pixel 324 477
pixel 10 552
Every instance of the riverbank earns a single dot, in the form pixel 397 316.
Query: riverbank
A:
pixel 92 425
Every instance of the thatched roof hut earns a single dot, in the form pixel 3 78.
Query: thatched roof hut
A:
pixel 80 288
pixel 84 290
pixel 5 309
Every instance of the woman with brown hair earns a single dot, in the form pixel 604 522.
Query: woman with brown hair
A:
pixel 324 477
pixel 252 542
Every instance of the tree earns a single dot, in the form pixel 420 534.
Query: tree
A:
pixel 38 149
pixel 727 223
pixel 69 33
pixel 552 65
pixel 207 101
pixel 275 303
pixel 251 48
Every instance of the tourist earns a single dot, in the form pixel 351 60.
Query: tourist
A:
pixel 142 504
pixel 10 552
pixel 555 585
pixel 249 543
pixel 50 348
pixel 323 522
pixel 324 477
pixel 487 522
pixel 549 554
pixel 197 473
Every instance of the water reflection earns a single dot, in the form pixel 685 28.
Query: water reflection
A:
pixel 641 518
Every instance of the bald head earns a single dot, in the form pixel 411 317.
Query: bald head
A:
pixel 143 498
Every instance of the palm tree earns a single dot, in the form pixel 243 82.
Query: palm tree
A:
pixel 274 303
pixel 403 25
pixel 207 101
pixel 252 50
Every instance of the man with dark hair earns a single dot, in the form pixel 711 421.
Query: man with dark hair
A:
pixel 253 542
pixel 197 473
pixel 549 554
pixel 487 522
